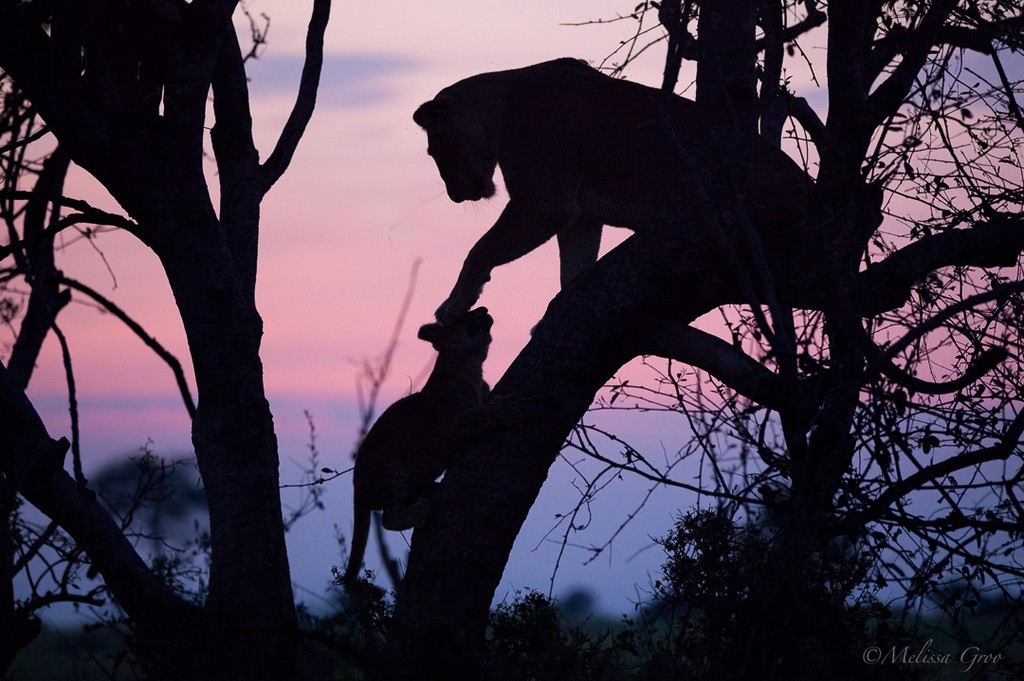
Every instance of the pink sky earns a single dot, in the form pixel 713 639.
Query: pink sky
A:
pixel 361 203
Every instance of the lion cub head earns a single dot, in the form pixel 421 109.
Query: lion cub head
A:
pixel 469 337
pixel 462 145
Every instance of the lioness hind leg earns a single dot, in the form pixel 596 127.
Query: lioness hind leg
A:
pixel 578 245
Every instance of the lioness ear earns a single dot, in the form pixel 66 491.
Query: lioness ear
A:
pixel 431 113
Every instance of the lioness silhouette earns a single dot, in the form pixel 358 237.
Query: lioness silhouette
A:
pixel 578 150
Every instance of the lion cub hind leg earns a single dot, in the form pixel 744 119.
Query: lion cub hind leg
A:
pixel 401 518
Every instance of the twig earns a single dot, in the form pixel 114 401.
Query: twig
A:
pixel 377 373
pixel 136 328
pixel 305 101
pixel 76 451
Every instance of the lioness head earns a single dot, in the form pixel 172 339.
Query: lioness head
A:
pixel 459 143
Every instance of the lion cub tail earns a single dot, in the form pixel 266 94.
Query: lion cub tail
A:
pixel 360 534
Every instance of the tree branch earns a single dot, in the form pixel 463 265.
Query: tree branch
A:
pixel 1001 451
pixel 86 214
pixel 37 264
pixel 673 16
pixel 238 162
pixel 69 374
pixel 886 285
pixel 808 118
pixel 888 96
pixel 33 462
pixel 150 341
pixel 815 18
pixel 1000 292
pixel 984 362
pixel 1008 90
pixel 25 141
pixel 724 361
pixel 279 159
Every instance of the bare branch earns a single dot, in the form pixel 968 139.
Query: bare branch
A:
pixel 808 118
pixel 985 361
pixel 50 232
pixel 25 141
pixel 997 452
pixel 375 372
pixel 893 90
pixel 36 262
pixel 886 285
pixel 674 16
pixel 41 540
pixel 1001 292
pixel 69 373
pixel 33 461
pixel 724 361
pixel 815 18
pixel 661 477
pixel 309 82
pixel 87 213
pixel 151 343
pixel 1008 89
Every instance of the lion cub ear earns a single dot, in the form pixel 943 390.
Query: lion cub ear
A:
pixel 430 332
pixel 432 113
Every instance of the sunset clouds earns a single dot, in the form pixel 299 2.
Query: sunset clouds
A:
pixel 341 232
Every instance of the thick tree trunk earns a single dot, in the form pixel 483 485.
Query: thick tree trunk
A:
pixel 134 116
pixel 590 330
pixel 126 88
pixel 597 324
pixel 250 617
pixel 250 602
pixel 45 301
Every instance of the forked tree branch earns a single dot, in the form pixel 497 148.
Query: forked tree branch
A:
pixel 815 18
pixel 33 462
pixel 294 128
pixel 996 293
pixel 151 342
pixel 891 92
pixel 36 262
pixel 886 285
pixel 87 213
pixel 726 362
pixel 997 452
pixel 985 361
pixel 25 141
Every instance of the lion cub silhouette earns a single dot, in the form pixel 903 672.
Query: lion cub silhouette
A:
pixel 411 443
pixel 577 150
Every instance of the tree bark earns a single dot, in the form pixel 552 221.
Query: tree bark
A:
pixel 590 330
pixel 613 311
pixel 133 115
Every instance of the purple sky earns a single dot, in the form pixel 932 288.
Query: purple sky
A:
pixel 360 205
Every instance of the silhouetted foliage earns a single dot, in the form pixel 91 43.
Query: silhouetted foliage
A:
pixel 122 90
pixel 854 412
pixel 860 385
pixel 736 608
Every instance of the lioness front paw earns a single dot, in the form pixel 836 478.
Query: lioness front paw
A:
pixel 454 308
pixel 448 313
